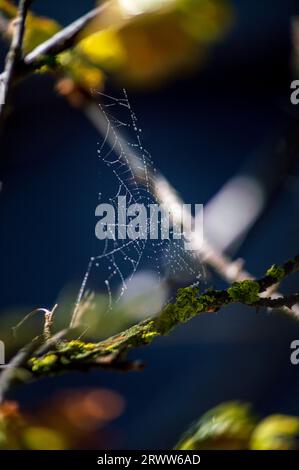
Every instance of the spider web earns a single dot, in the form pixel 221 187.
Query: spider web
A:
pixel 126 162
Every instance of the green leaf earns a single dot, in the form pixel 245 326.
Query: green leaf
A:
pixel 227 426
pixel 276 432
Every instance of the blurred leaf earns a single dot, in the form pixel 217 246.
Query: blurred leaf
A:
pixel 42 438
pixel 38 28
pixel 8 8
pixel 104 48
pixel 86 409
pixel 11 426
pixel 80 69
pixel 69 419
pixel 205 20
pixel 277 432
pixel 227 426
pixel 152 40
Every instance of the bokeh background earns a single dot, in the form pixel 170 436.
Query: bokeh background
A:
pixel 202 129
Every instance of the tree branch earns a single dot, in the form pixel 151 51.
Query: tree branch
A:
pixel 8 376
pixel 14 55
pixel 111 353
pixel 62 40
pixel 287 301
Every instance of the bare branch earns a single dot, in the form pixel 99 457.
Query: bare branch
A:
pixel 18 361
pixel 15 52
pixel 64 39
pixel 48 316
pixel 287 301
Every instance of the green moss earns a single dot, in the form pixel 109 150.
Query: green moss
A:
pixel 166 320
pixel 66 353
pixel 149 333
pixel 277 272
pixel 43 364
pixel 75 348
pixel 211 300
pixel 187 304
pixel 76 345
pixel 189 294
pixel 245 292
pixel 111 349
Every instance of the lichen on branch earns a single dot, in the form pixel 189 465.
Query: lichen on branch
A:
pixel 189 303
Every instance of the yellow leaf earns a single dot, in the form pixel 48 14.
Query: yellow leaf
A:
pixel 227 426
pixel 103 48
pixel 152 40
pixel 38 30
pixel 8 8
pixel 82 71
pixel 276 432
pixel 42 438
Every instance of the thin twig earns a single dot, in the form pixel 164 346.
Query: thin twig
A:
pixel 83 306
pixel 9 373
pixel 48 316
pixel 64 39
pixel 286 301
pixel 14 54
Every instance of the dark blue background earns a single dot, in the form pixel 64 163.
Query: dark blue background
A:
pixel 200 131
